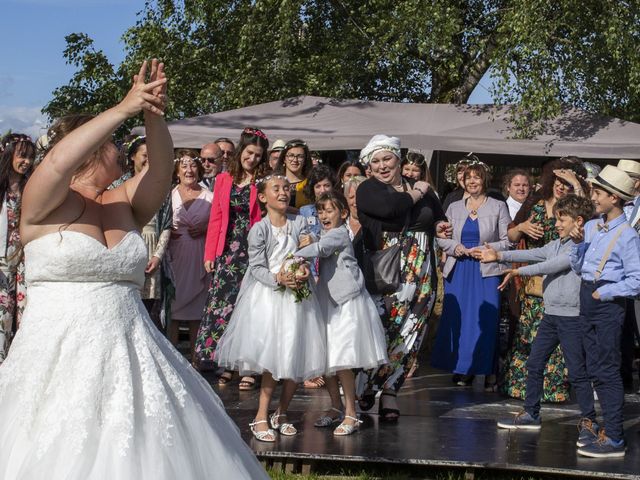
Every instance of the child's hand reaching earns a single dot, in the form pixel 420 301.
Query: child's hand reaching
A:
pixel 304 240
pixel 510 273
pixel 488 254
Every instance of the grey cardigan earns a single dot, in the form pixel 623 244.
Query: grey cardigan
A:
pixel 339 270
pixel 261 245
pixel 493 222
pixel 561 285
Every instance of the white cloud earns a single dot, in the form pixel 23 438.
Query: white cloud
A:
pixel 27 120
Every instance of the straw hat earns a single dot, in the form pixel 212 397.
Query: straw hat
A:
pixel 631 167
pixel 615 181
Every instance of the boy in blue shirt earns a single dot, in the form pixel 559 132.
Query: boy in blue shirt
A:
pixel 561 323
pixel 606 256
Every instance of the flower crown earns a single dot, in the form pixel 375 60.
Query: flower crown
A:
pixel 135 141
pixel 255 131
pixel 13 138
pixel 269 177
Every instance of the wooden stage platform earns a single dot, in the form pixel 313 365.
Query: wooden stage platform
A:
pixel 442 426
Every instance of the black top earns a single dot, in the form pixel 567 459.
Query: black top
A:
pixel 381 208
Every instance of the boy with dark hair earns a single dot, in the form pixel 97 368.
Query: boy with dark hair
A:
pixel 606 256
pixel 561 323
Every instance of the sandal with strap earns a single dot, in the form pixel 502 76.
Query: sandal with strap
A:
pixel 247 383
pixel 347 428
pixel 267 435
pixel 388 414
pixel 286 429
pixel 327 420
pixel 225 378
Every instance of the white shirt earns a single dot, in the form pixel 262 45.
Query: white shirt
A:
pixel 514 207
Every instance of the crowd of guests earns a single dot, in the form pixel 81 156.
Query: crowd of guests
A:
pixel 219 260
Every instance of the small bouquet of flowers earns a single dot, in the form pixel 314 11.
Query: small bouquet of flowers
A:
pixel 293 264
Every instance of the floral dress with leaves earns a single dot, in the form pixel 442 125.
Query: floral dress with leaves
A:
pixel 12 284
pixel 556 384
pixel 229 269
pixel 404 314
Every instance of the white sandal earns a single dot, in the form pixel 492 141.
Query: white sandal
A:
pixel 327 421
pixel 346 428
pixel 267 435
pixel 286 429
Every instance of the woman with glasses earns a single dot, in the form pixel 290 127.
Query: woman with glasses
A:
pixel 17 154
pixel 295 163
pixel 235 209
pixel 534 227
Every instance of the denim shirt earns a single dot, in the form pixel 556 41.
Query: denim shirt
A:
pixel 622 268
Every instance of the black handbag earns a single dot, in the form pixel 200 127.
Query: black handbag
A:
pixel 382 270
pixel 382 267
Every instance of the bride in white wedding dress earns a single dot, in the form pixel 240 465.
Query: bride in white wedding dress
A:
pixel 90 389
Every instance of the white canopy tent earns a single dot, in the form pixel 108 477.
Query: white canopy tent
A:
pixel 331 124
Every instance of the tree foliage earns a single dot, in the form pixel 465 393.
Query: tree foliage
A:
pixel 542 54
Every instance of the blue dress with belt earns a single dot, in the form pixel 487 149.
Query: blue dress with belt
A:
pixel 468 330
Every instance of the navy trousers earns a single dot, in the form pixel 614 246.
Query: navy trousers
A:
pixel 569 333
pixel 603 332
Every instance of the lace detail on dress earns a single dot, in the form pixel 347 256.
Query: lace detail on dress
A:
pixel 102 359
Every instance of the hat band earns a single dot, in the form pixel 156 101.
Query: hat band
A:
pixel 604 183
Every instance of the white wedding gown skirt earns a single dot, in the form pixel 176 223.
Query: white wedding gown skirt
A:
pixel 91 390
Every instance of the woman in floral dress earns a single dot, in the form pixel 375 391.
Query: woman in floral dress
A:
pixel 387 203
pixel 534 226
pixel 234 210
pixel 16 159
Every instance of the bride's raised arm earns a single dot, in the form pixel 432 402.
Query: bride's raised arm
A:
pixel 48 187
pixel 147 191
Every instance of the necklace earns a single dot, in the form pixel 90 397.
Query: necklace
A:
pixel 474 211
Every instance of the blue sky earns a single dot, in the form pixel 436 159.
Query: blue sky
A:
pixel 32 37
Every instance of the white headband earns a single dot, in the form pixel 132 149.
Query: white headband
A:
pixel 377 143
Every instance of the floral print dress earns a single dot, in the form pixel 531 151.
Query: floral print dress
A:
pixel 556 384
pixel 12 284
pixel 404 314
pixel 229 269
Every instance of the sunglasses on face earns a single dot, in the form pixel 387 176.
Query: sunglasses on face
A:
pixel 210 159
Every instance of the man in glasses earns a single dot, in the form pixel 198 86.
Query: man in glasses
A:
pixel 211 158
pixel 227 147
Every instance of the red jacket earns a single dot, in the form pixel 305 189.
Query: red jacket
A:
pixel 219 218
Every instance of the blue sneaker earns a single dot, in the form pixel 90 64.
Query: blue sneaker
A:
pixel 587 432
pixel 603 447
pixel 521 421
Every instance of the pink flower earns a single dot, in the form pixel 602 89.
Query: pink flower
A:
pixel 220 321
pixel 208 342
pixel 234 246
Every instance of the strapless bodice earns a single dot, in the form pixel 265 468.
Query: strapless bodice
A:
pixel 70 256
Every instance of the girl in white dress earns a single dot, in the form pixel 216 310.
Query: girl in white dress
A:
pixel 270 333
pixel 355 336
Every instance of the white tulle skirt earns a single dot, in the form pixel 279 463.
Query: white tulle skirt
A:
pixel 269 331
pixel 92 391
pixel 355 336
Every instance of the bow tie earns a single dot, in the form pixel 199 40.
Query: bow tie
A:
pixel 602 227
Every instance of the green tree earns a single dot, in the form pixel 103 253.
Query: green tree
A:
pixel 542 54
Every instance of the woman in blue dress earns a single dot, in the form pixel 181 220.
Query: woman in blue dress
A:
pixel 468 330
